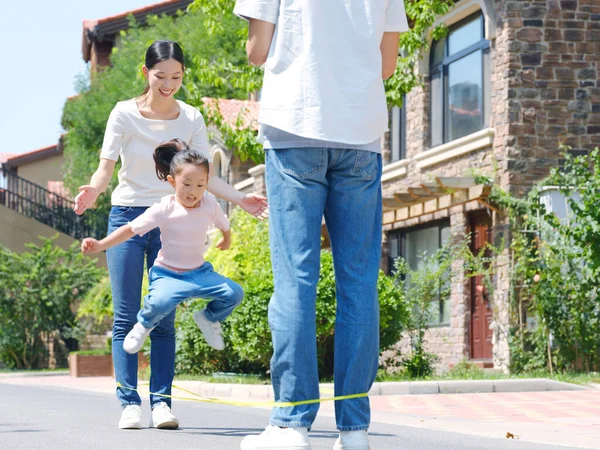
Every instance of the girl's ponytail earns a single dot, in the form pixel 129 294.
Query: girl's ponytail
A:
pixel 163 156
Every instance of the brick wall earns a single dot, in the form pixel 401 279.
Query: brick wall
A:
pixel 553 84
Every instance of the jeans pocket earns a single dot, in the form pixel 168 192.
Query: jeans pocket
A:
pixel 117 211
pixel 301 162
pixel 366 164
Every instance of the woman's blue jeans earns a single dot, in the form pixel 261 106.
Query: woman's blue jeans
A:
pixel 126 270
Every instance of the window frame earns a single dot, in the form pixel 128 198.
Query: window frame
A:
pixel 401 235
pixel 398 128
pixel 441 69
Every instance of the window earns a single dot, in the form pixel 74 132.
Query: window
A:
pixel 460 80
pixel 217 164
pixel 411 245
pixel 398 132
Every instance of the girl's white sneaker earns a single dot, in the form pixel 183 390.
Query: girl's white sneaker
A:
pixel 134 341
pixel 211 330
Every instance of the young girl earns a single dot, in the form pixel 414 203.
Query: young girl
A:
pixel 134 129
pixel 179 271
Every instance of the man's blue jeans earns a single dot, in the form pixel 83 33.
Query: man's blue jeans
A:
pixel 169 288
pixel 303 185
pixel 126 270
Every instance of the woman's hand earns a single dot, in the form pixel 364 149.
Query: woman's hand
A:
pixel 91 245
pixel 85 199
pixel 256 205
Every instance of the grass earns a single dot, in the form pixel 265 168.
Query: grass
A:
pixel 462 371
pixel 5 370
pixel 466 371
pixel 225 378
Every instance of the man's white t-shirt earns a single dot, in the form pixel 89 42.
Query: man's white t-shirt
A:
pixel 133 138
pixel 323 73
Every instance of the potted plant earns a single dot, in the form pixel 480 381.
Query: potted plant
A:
pixel 90 363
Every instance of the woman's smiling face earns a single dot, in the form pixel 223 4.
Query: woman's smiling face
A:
pixel 164 78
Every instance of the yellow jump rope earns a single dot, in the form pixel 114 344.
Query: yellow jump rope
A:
pixel 268 404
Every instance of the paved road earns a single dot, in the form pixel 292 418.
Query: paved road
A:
pixel 48 417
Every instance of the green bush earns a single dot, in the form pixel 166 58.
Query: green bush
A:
pixel 248 337
pixel 39 290
pixel 556 272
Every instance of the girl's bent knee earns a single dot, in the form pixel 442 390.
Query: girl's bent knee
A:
pixel 237 294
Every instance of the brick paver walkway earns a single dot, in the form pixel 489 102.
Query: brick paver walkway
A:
pixel 575 408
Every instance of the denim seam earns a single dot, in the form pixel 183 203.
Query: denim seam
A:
pixel 281 423
pixel 354 428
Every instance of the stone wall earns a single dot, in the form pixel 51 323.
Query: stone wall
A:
pixel 553 84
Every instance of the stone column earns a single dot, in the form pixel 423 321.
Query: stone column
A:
pixel 258 175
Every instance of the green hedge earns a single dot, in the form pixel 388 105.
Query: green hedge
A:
pixel 246 332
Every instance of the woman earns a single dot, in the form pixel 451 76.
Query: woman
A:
pixel 134 129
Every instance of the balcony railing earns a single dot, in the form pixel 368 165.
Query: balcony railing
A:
pixel 49 208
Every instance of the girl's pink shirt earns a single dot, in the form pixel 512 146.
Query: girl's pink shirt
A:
pixel 182 230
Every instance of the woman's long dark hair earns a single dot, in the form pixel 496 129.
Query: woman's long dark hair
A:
pixel 170 156
pixel 160 51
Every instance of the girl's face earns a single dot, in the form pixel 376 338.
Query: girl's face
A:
pixel 164 78
pixel 190 184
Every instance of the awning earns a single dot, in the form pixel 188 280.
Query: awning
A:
pixel 433 196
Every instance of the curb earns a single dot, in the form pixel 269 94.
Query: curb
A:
pixel 33 374
pixel 265 392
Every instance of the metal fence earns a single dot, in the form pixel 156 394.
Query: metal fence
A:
pixel 49 208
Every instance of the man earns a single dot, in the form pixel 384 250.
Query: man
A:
pixel 323 113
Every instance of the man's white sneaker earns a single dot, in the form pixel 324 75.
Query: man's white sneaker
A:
pixel 211 330
pixel 275 438
pixel 352 440
pixel 163 418
pixel 131 418
pixel 134 341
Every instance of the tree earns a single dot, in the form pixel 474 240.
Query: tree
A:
pixel 214 42
pixel 247 333
pixel 84 117
pixel 413 45
pixel 39 290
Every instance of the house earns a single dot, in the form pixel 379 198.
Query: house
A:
pixel 33 200
pixel 510 83
pixel 101 35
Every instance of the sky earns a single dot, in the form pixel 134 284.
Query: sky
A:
pixel 41 58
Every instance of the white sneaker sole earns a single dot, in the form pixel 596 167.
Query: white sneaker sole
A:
pixel 130 426
pixel 351 447
pixel 253 447
pixel 169 425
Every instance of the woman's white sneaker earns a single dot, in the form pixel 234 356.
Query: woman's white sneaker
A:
pixel 275 438
pixel 131 418
pixel 352 440
pixel 163 418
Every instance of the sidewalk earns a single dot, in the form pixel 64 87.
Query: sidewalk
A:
pixel 530 410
